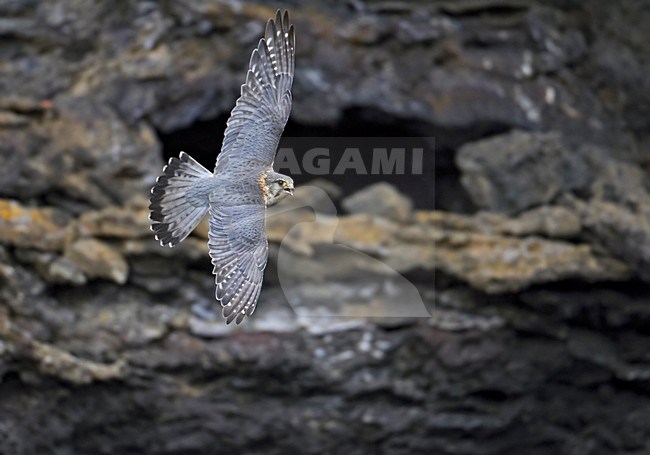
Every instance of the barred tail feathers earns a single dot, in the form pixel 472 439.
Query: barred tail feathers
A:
pixel 173 216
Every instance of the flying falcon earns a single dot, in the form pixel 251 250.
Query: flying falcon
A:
pixel 243 183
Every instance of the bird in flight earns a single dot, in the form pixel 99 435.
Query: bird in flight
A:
pixel 243 183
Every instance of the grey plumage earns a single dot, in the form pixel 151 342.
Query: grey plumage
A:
pixel 243 182
pixel 176 208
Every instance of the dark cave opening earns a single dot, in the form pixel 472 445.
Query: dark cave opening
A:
pixel 437 187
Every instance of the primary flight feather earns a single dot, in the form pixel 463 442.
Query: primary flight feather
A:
pixel 243 183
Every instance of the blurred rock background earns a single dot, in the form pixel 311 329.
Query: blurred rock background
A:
pixel 539 336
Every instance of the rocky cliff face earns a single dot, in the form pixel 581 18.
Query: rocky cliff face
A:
pixel 533 267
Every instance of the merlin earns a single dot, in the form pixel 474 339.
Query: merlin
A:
pixel 243 183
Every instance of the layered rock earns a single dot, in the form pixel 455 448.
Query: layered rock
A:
pixel 518 171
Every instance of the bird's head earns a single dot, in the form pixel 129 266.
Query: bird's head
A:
pixel 276 187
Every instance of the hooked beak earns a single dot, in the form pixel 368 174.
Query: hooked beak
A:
pixel 290 191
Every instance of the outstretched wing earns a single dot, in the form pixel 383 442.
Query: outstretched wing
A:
pixel 239 250
pixel 258 119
